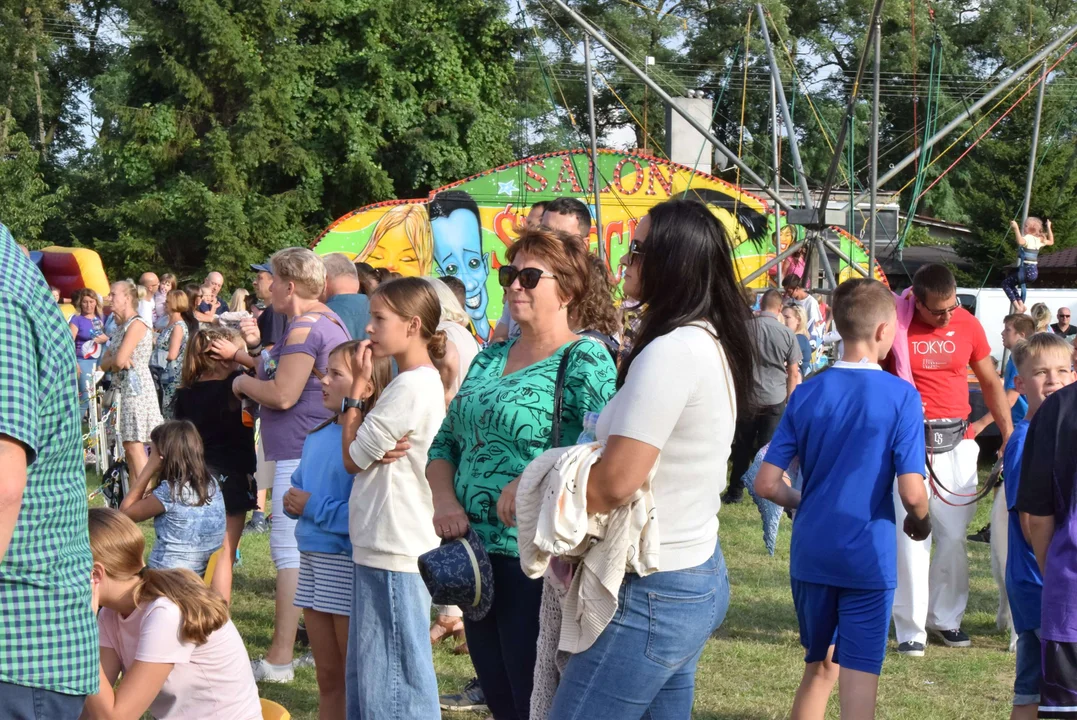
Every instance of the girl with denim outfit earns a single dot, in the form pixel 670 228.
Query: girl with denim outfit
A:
pixel 186 506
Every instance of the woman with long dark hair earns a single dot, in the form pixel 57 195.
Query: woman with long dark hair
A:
pixel 678 393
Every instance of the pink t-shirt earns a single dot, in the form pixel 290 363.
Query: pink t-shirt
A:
pixel 213 680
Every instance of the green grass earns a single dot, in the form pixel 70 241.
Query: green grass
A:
pixel 751 667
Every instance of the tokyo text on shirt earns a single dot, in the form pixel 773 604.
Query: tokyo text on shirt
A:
pixel 940 358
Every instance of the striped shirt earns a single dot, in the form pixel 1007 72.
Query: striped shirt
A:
pixel 48 635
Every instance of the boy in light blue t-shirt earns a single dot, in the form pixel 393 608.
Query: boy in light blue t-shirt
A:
pixel 853 427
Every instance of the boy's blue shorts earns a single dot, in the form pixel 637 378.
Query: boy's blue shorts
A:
pixel 856 622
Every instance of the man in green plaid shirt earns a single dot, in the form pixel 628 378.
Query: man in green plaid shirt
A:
pixel 48 633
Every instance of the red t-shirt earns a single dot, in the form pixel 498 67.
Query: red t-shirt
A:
pixel 940 358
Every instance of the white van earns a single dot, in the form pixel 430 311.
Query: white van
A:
pixel 990 306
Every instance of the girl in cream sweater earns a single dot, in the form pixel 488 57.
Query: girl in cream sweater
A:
pixel 390 513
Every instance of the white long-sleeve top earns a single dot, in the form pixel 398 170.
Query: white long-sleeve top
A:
pixel 390 510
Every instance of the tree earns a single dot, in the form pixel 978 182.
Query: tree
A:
pixel 232 128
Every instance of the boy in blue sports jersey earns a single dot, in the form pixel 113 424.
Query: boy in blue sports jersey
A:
pixel 853 427
pixel 1043 367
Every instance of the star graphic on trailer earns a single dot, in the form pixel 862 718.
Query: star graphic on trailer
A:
pixel 506 188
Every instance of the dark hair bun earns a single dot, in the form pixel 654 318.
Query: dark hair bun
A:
pixel 436 346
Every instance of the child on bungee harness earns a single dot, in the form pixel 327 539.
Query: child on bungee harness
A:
pixel 1036 235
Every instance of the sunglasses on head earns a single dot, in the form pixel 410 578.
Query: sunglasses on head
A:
pixel 529 277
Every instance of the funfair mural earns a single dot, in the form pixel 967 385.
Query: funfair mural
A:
pixel 464 229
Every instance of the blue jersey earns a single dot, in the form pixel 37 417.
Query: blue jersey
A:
pixel 854 428
pixel 1020 408
pixel 1024 584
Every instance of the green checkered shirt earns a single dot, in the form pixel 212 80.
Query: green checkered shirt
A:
pixel 48 635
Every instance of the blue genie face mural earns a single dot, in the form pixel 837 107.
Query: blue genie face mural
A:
pixel 454 221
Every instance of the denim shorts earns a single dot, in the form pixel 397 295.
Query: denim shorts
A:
pixel 1026 685
pixel 19 702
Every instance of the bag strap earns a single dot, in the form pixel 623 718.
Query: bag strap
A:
pixel 559 394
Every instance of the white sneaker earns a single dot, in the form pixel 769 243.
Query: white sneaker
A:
pixel 304 661
pixel 265 671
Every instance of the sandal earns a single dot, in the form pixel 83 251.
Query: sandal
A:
pixel 441 629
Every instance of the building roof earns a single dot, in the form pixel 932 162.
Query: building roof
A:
pixel 1061 260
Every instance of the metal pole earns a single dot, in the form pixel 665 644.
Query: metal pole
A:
pixel 836 249
pixel 700 127
pixel 850 108
pixel 1035 143
pixel 874 160
pixel 828 271
pixel 777 172
pixel 768 265
pixel 1018 74
pixel 594 146
pixel 790 131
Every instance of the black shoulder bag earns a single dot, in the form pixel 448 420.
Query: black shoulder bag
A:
pixel 559 395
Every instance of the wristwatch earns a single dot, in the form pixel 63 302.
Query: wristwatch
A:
pixel 349 403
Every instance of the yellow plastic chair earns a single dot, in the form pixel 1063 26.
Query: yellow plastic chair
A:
pixel 211 566
pixel 274 711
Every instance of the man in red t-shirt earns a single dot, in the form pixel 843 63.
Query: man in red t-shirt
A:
pixel 944 341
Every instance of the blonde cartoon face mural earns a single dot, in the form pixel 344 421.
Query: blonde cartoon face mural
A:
pixel 465 228
pixel 401 242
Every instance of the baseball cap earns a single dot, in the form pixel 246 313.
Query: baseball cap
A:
pixel 264 267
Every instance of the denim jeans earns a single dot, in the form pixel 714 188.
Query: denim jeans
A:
pixel 18 702
pixel 390 666
pixel 643 665
pixel 86 385
pixel 503 644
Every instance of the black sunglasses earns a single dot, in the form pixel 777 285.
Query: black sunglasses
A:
pixel 529 277
pixel 634 248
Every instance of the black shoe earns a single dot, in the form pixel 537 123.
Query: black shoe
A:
pixel 733 497
pixel 953 638
pixel 256 525
pixel 983 535
pixel 911 649
pixel 470 698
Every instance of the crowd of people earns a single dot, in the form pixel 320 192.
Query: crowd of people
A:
pixel 567 476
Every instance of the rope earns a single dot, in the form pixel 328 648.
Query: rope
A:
pixel 930 123
pixel 1025 94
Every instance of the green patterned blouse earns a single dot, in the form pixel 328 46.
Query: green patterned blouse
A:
pixel 497 424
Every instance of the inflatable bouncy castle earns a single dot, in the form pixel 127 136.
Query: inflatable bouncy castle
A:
pixel 70 269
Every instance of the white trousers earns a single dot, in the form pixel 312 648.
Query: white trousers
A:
pixel 283 547
pixel 932 592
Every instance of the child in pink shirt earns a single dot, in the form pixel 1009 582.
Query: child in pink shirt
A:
pixel 170 635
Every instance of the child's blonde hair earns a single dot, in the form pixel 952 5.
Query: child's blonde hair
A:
pixel 1033 226
pixel 1041 315
pixel 118 544
pixel 143 293
pixel 1039 345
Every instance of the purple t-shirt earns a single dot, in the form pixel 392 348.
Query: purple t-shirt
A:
pixel 88 328
pixel 283 431
pixel 1047 488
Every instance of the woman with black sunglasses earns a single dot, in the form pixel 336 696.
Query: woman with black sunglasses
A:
pixel 500 420
pixel 679 391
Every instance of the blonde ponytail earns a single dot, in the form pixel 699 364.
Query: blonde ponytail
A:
pixel 203 609
pixel 118 544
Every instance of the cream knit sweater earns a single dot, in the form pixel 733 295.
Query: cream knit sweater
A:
pixel 552 519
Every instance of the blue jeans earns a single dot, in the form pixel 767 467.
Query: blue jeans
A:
pixel 643 665
pixel 1026 682
pixel 18 702
pixel 390 666
pixel 86 371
